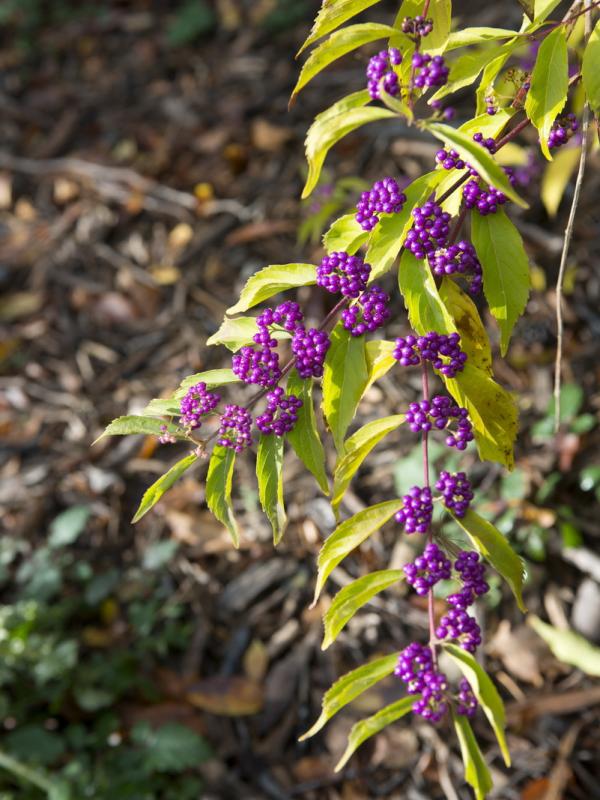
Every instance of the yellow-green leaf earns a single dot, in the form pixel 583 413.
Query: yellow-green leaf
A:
pixel 304 437
pixel 493 546
pixel 350 534
pixel 473 335
pixel 440 12
pixel 332 14
pixel 272 280
pixel 349 687
pixel 485 692
pixel 557 176
pixel 368 727
pixel 469 36
pixel 569 647
pixel 126 426
pixel 218 489
pixel 237 332
pixel 153 494
pixel 269 471
pixel 380 360
pixel 464 71
pixel 426 310
pixel 477 773
pixel 345 234
pixel 353 597
pixel 549 85
pixel 591 69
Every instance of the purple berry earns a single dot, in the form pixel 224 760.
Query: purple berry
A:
pixel 380 68
pixel 428 569
pixel 429 71
pixel 341 272
pixel 166 437
pixel 310 348
pixel 489 143
pixel 235 430
pixel 471 573
pixel 485 202
pixel 442 350
pixel 562 130
pixel 417 26
pixel 461 259
pixel 417 510
pixel 466 701
pixel 461 627
pixel 429 230
pixel 260 367
pixel 196 403
pixel 456 491
pixel 384 198
pixel 415 668
pixel 281 413
pixel 369 313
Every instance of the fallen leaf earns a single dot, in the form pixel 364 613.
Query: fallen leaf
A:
pixel 230 697
pixel 256 661
pixel 19 304
pixel 254 231
pixel 268 137
pixel 521 651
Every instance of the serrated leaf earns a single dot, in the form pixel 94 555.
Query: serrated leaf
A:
pixel 332 125
pixel 556 177
pixel 368 727
pixel 238 332
pixel 353 597
pixel 549 85
pixel 332 14
pixel 269 471
pixel 218 489
pixel 477 156
pixel 344 379
pixel 426 310
pixel 473 335
pixel 492 411
pixel 389 234
pixel 356 449
pixel 349 687
pixel 337 45
pixel 162 407
pixel 128 426
pixel 485 692
pixel 477 773
pixel 350 534
pixel 568 646
pixel 439 12
pixel 162 485
pixel 493 546
pixel 590 70
pixel 469 36
pixel 304 437
pixel 505 269
pixel 345 234
pixel 270 281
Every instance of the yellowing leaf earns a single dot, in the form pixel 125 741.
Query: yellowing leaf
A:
pixel 345 234
pixel 557 176
pixel 332 14
pixel 477 773
pixel 549 85
pixel 426 311
pixel 473 336
pixel 272 280
pixel 569 647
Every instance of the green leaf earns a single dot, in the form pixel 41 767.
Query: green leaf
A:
pixel 353 597
pixel 332 14
pixel 272 280
pixel 170 748
pixel 350 534
pixel 211 377
pixel 126 426
pixel 332 125
pixel 492 545
pixel 490 73
pixel 464 71
pixel 153 494
pixel 218 489
pixel 590 70
pixel 569 647
pixel 33 742
pixel 344 378
pixel 473 336
pixel 492 411
pixel 356 449
pixel 388 236
pixel 269 466
pixel 426 310
pixel 505 269
pixel 235 333
pixel 542 8
pixel 477 773
pixel 345 234
pixel 556 177
pixel 304 437
pixel 440 13
pixel 337 45
pixel 469 36
pixel 488 124
pixel 349 687
pixel 485 692
pixel 368 727
pixel 477 156
pixel 380 360
pixel 549 85
pixel 68 526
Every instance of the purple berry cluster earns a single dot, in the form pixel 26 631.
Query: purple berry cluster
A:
pixel 450 159
pixel 429 70
pixel 489 143
pixel 418 26
pixel 482 200
pixel 458 259
pixel 416 511
pixel 439 413
pixel 471 574
pixel 447 113
pixel 442 350
pixel 310 348
pixel 384 198
pixel 281 413
pixel 235 430
pixel 260 367
pixel 369 313
pixel 196 403
pixel 562 130
pixel 415 667
pixel 461 627
pixel 341 272
pixel 466 702
pixel 380 68
pixel 456 491
pixel 166 437
pixel 288 316
pixel 428 569
pixel 429 231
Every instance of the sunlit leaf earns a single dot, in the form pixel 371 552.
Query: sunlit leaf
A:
pixel 368 727
pixel 477 773
pixel 569 647
pixel 426 310
pixel 543 8
pixel 356 449
pixel 332 14
pixel 485 692
pixel 493 546
pixel 440 12
pixel 344 378
pixel 345 234
pixel 353 597
pixel 304 437
pixel 464 71
pixel 269 471
pixel 126 426
pixel 380 359
pixel 162 485
pixel 549 85
pixel 238 332
pixel 218 489
pixel 272 280
pixel 489 124
pixel 473 335
pixel 350 534
pixel 505 268
pixel 591 71
pixel 490 73
pixel 349 687
pixel 211 377
pixel 469 36
pixel 556 177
